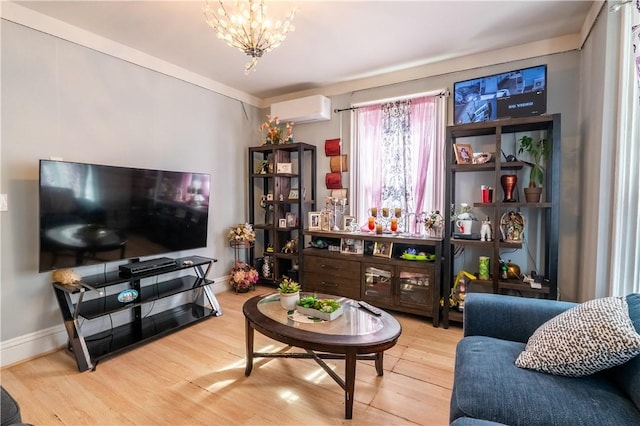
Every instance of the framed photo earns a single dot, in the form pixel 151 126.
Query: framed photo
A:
pixel 464 153
pixel 293 194
pixel 382 249
pixel 291 220
pixel 347 221
pixel 282 223
pixel 283 168
pixel 324 220
pixel 314 221
pixel 351 246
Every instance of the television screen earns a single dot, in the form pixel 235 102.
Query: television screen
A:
pixel 513 94
pixel 92 213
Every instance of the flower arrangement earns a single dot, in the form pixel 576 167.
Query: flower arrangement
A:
pixel 241 233
pixel 434 220
pixel 288 286
pixel 275 133
pixel 243 277
pixel 464 213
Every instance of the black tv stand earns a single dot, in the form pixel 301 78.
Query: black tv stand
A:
pixel 88 350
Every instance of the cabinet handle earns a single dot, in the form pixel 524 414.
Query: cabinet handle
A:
pixel 323 266
pixel 329 284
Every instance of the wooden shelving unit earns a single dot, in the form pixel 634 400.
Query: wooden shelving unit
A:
pixel 545 213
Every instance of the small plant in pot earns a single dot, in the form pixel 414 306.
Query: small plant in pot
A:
pixel 289 293
pixel 538 152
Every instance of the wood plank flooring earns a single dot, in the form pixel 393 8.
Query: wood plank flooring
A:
pixel 196 377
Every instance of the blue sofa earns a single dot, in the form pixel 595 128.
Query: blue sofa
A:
pixel 489 389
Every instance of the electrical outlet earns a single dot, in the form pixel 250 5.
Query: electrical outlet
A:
pixel 3 203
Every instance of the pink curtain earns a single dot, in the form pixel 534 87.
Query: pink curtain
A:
pixel 369 179
pixel 423 156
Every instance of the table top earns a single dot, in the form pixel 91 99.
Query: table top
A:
pixel 355 328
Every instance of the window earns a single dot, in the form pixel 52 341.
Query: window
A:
pixel 625 246
pixel 400 158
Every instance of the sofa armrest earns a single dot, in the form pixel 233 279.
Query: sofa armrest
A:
pixel 508 317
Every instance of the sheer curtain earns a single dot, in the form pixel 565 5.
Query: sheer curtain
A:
pixel 400 155
pixel 625 246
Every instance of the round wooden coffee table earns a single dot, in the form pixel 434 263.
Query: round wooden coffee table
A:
pixel 355 335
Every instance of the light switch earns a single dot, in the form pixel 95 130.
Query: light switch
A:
pixel 3 203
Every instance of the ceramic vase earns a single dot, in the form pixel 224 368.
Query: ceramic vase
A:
pixel 509 183
pixel 289 300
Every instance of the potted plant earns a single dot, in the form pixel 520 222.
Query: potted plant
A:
pixel 289 293
pixel 323 309
pixel 538 152
pixel 463 219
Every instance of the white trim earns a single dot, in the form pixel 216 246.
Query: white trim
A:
pixel 444 66
pixel 31 345
pixel 40 22
pixel 590 21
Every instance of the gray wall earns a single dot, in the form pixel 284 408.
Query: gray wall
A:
pixel 562 97
pixel 63 100
pixel 60 99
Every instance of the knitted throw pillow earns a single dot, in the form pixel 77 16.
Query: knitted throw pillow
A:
pixel 588 338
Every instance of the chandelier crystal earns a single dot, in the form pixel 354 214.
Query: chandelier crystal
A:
pixel 248 28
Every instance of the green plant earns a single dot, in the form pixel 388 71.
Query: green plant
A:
pixel 322 305
pixel 287 286
pixel 538 152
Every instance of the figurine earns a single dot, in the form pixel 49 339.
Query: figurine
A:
pixel 486 233
pixel 290 247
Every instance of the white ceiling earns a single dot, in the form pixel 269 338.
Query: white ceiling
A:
pixel 334 41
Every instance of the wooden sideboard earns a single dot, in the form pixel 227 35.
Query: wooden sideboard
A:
pixel 386 280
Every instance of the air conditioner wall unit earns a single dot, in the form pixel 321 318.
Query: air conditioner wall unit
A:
pixel 303 110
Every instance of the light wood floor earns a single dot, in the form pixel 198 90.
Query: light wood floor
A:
pixel 196 376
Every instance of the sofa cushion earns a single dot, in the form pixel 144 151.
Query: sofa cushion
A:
pixel 627 376
pixel 588 338
pixel 489 386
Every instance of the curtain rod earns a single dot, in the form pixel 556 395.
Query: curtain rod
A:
pixel 445 93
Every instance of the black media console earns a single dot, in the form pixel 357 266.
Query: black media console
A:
pixel 88 350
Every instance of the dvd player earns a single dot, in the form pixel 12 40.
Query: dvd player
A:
pixel 472 236
pixel 136 268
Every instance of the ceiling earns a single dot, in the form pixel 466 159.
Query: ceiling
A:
pixel 334 42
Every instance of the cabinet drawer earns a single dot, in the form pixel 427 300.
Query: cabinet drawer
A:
pixel 330 284
pixel 337 268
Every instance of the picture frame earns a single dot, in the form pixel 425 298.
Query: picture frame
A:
pixel 464 153
pixel 351 246
pixel 283 168
pixel 325 217
pixel 382 249
pixel 291 220
pixel 294 194
pixel 282 223
pixel 315 223
pixel 347 221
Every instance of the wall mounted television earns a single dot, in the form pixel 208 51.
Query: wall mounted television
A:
pixel 92 214
pixel 513 94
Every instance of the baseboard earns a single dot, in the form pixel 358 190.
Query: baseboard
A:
pixel 32 345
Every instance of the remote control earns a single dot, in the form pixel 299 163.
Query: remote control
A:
pixel 375 311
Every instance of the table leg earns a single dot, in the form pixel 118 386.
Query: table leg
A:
pixel 379 362
pixel 350 383
pixel 249 347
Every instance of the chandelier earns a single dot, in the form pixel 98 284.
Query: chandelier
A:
pixel 248 27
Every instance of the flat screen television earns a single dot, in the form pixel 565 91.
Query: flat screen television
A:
pixel 518 93
pixel 91 213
